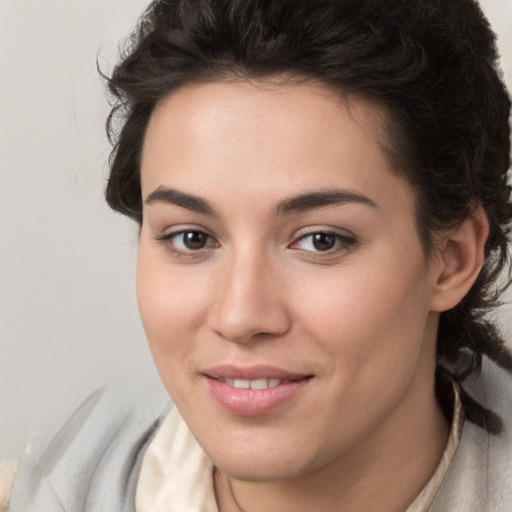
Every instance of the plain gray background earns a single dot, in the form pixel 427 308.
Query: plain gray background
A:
pixel 68 315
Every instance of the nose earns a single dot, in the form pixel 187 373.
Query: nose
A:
pixel 249 301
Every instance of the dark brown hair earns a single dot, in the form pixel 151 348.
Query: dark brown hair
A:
pixel 430 63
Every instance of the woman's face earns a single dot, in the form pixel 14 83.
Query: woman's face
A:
pixel 281 281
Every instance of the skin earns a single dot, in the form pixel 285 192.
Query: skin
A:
pixel 360 318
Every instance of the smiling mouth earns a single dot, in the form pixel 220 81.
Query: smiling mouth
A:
pixel 254 396
pixel 254 384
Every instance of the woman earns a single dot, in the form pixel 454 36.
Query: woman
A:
pixel 322 201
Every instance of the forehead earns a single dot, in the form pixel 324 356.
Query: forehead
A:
pixel 265 137
pixel 305 101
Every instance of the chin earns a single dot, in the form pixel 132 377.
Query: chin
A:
pixel 252 470
pixel 272 462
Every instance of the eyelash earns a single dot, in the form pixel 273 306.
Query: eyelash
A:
pixel 342 243
pixel 167 240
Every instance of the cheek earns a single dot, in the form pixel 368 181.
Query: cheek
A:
pixel 371 326
pixel 171 308
pixel 171 303
pixel 368 315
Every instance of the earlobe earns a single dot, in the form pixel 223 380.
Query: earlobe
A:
pixel 459 261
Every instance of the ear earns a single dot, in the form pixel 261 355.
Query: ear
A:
pixel 459 260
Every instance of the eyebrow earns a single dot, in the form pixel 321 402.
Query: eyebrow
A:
pixel 172 196
pixel 299 203
pixel 320 199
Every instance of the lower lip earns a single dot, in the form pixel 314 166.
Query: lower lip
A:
pixel 253 402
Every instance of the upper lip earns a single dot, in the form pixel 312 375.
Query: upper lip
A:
pixel 230 371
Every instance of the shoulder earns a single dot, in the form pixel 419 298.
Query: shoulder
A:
pixel 95 452
pixel 480 476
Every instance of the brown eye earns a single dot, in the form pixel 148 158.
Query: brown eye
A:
pixel 189 241
pixel 194 240
pixel 323 241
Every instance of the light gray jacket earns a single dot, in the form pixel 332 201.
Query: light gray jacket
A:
pixel 91 463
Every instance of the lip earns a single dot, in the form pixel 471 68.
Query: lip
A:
pixel 253 402
pixel 230 371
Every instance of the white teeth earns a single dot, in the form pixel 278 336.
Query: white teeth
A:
pixel 254 384
pixel 259 384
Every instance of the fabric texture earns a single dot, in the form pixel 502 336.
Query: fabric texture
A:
pixel 8 470
pixel 176 475
pixel 480 475
pixel 92 463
